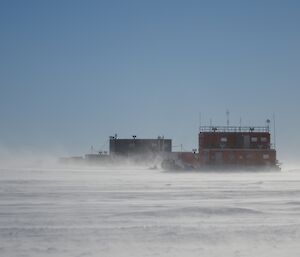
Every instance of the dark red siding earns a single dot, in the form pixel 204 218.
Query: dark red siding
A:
pixel 234 140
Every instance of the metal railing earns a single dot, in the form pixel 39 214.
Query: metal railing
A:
pixel 233 129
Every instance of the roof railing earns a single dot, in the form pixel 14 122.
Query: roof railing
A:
pixel 233 129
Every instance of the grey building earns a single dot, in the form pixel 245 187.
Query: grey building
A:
pixel 134 146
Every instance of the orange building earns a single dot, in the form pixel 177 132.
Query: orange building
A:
pixel 248 146
pixel 229 146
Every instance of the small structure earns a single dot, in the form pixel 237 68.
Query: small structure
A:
pixel 101 157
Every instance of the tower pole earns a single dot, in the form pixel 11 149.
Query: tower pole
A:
pixel 274 128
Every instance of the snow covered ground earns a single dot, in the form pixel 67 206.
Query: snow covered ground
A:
pixel 138 212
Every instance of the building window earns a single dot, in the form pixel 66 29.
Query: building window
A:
pixel 266 156
pixel 223 139
pixel 263 139
pixel 254 139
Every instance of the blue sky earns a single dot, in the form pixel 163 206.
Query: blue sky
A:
pixel 73 73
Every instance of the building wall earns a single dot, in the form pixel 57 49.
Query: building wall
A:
pixel 234 140
pixel 238 156
pixel 241 148
pixel 127 147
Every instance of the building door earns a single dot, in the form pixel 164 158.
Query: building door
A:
pixel 246 141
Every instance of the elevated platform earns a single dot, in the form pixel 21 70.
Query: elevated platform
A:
pixel 233 129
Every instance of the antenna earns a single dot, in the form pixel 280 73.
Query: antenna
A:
pixel 240 123
pixel 210 122
pixel 268 124
pixel 199 120
pixel 227 114
pixel 274 128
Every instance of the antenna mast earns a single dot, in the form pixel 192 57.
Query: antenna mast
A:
pixel 227 114
pixel 274 130
pixel 199 121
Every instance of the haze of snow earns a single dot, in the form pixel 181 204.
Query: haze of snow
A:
pixel 93 211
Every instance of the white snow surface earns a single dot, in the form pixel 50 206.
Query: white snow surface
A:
pixel 132 212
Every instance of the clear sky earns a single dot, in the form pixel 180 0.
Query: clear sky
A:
pixel 73 73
